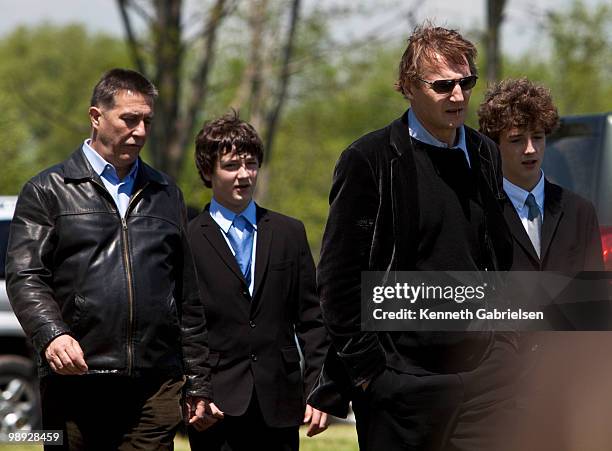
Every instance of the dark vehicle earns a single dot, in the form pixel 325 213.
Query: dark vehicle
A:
pixel 579 157
pixel 19 400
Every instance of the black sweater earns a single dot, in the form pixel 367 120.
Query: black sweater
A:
pixel 451 217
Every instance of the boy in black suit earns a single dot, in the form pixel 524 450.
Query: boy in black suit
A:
pixel 553 229
pixel 560 232
pixel 257 282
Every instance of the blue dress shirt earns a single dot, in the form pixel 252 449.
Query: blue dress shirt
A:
pixel 120 190
pixel 417 131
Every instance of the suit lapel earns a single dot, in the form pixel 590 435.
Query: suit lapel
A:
pixel 214 235
pixel 518 231
pixel 553 212
pixel 264 245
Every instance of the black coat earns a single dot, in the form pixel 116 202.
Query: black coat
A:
pixel 570 244
pixel 373 226
pixel 252 339
pixel 122 287
pixel 570 235
pixel 558 364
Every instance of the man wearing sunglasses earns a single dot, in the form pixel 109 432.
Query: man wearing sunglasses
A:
pixel 422 194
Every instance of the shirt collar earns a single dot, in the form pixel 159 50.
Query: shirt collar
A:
pixel 102 167
pixel 225 217
pixel 518 195
pixel 417 131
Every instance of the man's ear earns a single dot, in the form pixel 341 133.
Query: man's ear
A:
pixel 207 176
pixel 94 116
pixel 408 89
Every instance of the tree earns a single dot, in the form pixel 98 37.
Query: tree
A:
pixel 164 63
pixel 46 79
pixel 495 16
pixel 265 80
pixel 581 54
pixel 262 93
pixel 357 97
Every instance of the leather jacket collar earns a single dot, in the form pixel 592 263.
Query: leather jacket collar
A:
pixel 78 168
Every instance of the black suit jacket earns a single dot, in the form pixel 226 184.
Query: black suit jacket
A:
pixel 571 243
pixel 570 235
pixel 252 339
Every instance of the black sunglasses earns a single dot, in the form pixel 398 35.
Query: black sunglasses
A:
pixel 446 86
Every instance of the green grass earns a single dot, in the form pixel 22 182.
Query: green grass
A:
pixel 10 447
pixel 339 437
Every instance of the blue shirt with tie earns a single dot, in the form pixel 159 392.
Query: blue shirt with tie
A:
pixel 518 197
pixel 224 218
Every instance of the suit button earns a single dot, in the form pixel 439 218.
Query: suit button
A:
pixel 252 324
pixel 245 293
pixel 254 357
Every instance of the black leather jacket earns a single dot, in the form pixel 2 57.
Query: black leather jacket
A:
pixel 124 288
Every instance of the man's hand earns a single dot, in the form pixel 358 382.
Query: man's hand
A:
pixel 317 420
pixel 65 356
pixel 200 413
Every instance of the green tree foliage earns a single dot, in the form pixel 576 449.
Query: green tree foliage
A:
pixel 577 67
pixel 358 97
pixel 46 78
pixel 581 56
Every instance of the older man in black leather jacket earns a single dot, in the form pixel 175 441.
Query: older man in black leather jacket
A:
pixel 101 279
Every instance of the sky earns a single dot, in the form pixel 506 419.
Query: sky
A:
pixel 522 29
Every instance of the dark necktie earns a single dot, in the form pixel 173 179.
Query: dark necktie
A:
pixel 534 222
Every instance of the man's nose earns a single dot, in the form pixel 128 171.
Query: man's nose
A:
pixel 140 129
pixel 457 93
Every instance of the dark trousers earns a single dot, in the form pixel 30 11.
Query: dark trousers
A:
pixel 107 412
pixel 245 433
pixel 470 411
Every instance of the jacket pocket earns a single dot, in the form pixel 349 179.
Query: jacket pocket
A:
pixel 78 315
pixel 291 357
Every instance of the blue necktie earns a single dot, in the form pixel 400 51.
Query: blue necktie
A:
pixel 240 235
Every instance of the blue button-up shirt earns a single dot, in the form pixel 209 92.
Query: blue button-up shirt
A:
pixel 120 190
pixel 417 131
pixel 225 217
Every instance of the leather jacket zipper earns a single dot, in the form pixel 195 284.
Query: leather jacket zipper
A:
pixel 128 269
